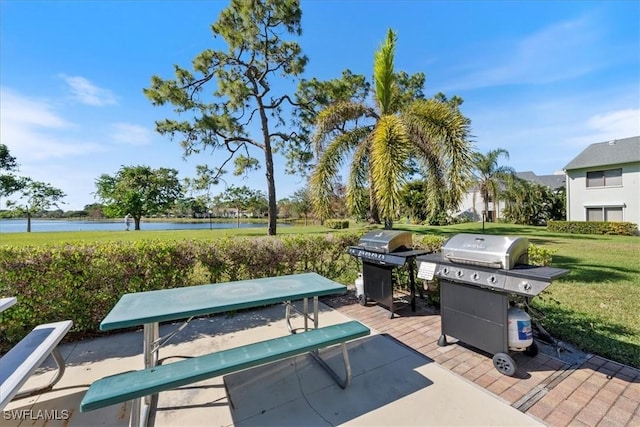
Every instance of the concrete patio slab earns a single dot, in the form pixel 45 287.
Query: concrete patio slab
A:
pixel 392 384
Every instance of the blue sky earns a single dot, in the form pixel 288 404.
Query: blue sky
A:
pixel 541 79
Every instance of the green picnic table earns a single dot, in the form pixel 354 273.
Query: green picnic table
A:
pixel 148 309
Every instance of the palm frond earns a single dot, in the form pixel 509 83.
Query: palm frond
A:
pixel 335 118
pixel 442 132
pixel 383 73
pixel 435 174
pixel 321 180
pixel 358 178
pixel 390 150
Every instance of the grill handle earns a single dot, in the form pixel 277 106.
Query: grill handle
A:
pixel 473 262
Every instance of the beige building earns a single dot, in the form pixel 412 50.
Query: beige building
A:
pixel 472 204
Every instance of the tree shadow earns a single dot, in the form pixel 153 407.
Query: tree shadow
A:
pixel 591 334
pixel 591 273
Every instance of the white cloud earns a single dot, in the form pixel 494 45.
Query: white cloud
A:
pixel 127 133
pixel 33 129
pixel 87 93
pixel 18 109
pixel 618 124
pixel 605 126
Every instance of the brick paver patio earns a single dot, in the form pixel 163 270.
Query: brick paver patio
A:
pixel 592 392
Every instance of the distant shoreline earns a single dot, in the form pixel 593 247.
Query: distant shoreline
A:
pixel 159 219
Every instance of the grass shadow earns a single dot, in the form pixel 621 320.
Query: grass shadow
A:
pixel 592 273
pixel 591 334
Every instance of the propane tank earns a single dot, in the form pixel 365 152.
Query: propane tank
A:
pixel 520 331
pixel 359 285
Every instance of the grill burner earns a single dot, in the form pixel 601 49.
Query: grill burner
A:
pixel 381 251
pixel 479 277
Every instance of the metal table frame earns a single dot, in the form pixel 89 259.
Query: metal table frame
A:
pixel 148 309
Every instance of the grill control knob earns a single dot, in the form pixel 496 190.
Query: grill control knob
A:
pixel 445 271
pixel 459 273
pixel 525 286
pixel 492 280
pixel 475 276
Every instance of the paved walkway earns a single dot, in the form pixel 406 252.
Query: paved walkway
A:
pixel 591 392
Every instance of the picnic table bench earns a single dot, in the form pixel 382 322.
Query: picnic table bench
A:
pixel 21 361
pixel 147 309
pixel 135 384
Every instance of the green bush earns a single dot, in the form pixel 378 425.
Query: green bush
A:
pixel 539 255
pixel 82 282
pixel 428 242
pixel 337 224
pixel 593 227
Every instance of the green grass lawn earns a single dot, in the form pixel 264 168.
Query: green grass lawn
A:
pixel 596 307
pixel 57 237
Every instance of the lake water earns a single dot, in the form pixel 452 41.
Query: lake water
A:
pixel 20 225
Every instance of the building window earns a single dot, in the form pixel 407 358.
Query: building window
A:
pixel 613 214
pixel 595 214
pixel 606 178
pixel 605 214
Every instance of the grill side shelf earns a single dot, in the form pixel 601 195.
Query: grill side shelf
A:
pixel 536 272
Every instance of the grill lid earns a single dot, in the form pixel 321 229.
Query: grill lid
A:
pixel 386 241
pixel 487 251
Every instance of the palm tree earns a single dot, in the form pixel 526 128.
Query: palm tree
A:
pixel 402 125
pixel 490 176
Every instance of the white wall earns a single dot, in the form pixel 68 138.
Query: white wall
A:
pixel 579 197
pixel 472 210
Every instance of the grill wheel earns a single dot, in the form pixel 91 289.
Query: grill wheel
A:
pixel 504 364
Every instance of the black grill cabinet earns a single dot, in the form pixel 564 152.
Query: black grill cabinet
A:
pixel 381 252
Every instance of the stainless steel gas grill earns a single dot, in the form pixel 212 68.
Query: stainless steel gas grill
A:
pixel 481 279
pixel 382 251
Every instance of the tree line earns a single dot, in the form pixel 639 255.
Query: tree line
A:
pixel 141 191
pixel 405 151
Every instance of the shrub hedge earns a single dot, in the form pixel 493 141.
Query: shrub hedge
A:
pixel 82 282
pixel 337 224
pixel 593 227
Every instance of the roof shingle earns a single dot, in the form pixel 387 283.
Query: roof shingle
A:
pixel 614 152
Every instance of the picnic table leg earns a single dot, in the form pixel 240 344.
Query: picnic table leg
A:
pixel 305 313
pixel 287 315
pixel 342 382
pixel 305 308
pixel 150 350
pixel 57 357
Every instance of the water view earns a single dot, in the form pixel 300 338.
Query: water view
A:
pixel 39 225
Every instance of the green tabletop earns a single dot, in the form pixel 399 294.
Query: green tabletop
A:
pixel 138 308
